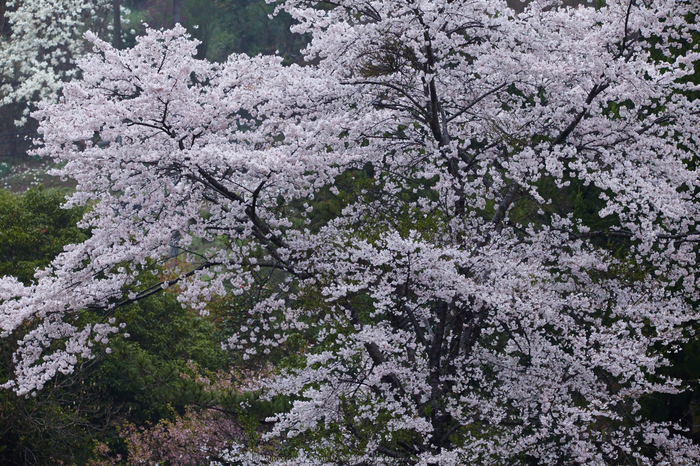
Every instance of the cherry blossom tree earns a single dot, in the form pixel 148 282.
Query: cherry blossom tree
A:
pixel 513 251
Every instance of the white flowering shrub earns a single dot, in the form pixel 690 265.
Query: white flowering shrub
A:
pixel 45 40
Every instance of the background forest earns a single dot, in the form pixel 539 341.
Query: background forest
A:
pixel 165 391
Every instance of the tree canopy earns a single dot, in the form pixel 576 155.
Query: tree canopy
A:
pixel 471 231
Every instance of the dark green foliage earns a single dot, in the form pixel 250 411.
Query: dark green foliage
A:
pixel 682 408
pixel 58 423
pixel 223 27
pixel 58 426
pixel 244 26
pixel 33 229
pixel 152 372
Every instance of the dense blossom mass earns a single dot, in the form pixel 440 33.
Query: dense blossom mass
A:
pixel 513 248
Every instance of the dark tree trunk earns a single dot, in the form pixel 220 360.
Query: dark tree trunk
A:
pixel 3 7
pixel 177 11
pixel 117 38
